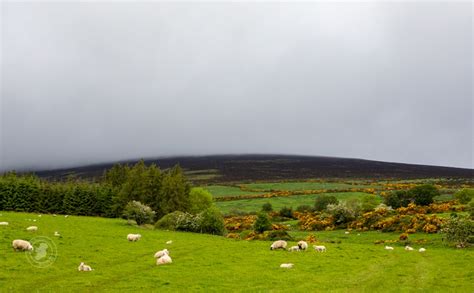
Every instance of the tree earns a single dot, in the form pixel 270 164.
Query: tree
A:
pixel 200 200
pixel 459 230
pixel 139 212
pixel 267 207
pixel 323 201
pixel 174 194
pixel 212 222
pixel 423 195
pixel 262 223
pixel 465 195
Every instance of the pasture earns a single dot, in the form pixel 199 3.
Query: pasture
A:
pixel 213 263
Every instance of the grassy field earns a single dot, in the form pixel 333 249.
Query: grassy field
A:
pixel 222 191
pixel 252 205
pixel 304 185
pixel 212 263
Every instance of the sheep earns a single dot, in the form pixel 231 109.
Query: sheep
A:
pixel 422 250
pixel 286 265
pixel 347 232
pixel 408 248
pixel 278 244
pixel 32 228
pixel 303 245
pixel 39 216
pixel 3 223
pixel 84 268
pixel 388 247
pixel 319 248
pixel 160 253
pixel 56 233
pixel 133 237
pixel 165 259
pixel 294 248
pixel 66 216
pixel 19 244
pixel 169 241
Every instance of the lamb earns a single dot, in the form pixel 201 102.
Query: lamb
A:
pixel 133 237
pixel 160 253
pixel 388 247
pixel 408 248
pixel 3 223
pixel 84 268
pixel 19 244
pixel 319 248
pixel 56 233
pixel 278 244
pixel 169 241
pixel 32 228
pixel 422 250
pixel 286 265
pixel 165 259
pixel 303 245
pixel 294 248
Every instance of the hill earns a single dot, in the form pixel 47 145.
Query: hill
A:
pixel 232 168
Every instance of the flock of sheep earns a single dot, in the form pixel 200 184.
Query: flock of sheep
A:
pixel 301 246
pixel 408 248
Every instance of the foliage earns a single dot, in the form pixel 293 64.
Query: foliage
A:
pixel 423 194
pixel 323 201
pixel 212 222
pixel 368 203
pixel 341 213
pixel 459 230
pixel 304 208
pixel 200 200
pixel 139 212
pixel 267 207
pixel 168 222
pixel 465 195
pixel 286 212
pixel 262 223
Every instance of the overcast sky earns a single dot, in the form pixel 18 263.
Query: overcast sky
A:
pixel 92 82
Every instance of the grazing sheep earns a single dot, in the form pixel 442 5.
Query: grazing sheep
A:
pixel 388 247
pixel 294 248
pixel 32 228
pixel 347 232
pixel 422 250
pixel 39 216
pixel 66 216
pixel 133 237
pixel 34 220
pixel 169 241
pixel 286 265
pixel 54 215
pixel 278 244
pixel 56 233
pixel 408 248
pixel 19 244
pixel 3 223
pixel 164 260
pixel 84 268
pixel 319 248
pixel 160 253
pixel 303 245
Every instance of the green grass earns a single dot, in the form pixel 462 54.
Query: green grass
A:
pixel 255 204
pixel 297 186
pixel 211 263
pixel 222 191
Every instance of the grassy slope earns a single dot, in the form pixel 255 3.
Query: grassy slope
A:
pixel 249 205
pixel 212 263
pixel 222 191
pixel 292 186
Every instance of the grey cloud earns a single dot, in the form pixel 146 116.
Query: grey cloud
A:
pixel 93 82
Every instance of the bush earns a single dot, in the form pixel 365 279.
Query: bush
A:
pixel 277 235
pixel 423 195
pixel 139 212
pixel 465 195
pixel 262 223
pixel 267 207
pixel 341 213
pixel 459 230
pixel 200 200
pixel 188 222
pixel 368 203
pixel 323 201
pixel 286 212
pixel 212 222
pixel 168 222
pixel 304 209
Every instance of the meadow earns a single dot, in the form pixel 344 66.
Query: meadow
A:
pixel 214 263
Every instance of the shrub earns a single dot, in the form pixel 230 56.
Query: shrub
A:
pixel 200 200
pixel 277 235
pixel 304 209
pixel 267 207
pixel 262 223
pixel 459 230
pixel 168 222
pixel 286 212
pixel 423 194
pixel 188 222
pixel 368 203
pixel 212 222
pixel 323 201
pixel 465 195
pixel 341 213
pixel 139 212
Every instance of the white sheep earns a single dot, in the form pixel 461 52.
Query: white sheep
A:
pixel 3 223
pixel 19 244
pixel 56 233
pixel 160 253
pixel 84 268
pixel 408 248
pixel 133 237
pixel 165 259
pixel 422 250
pixel 294 248
pixel 66 216
pixel 347 232
pixel 32 228
pixel 278 244
pixel 169 241
pixel 388 247
pixel 286 265
pixel 319 248
pixel 303 245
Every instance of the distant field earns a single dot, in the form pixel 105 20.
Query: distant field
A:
pixel 222 190
pixel 252 205
pixel 297 186
pixel 207 263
